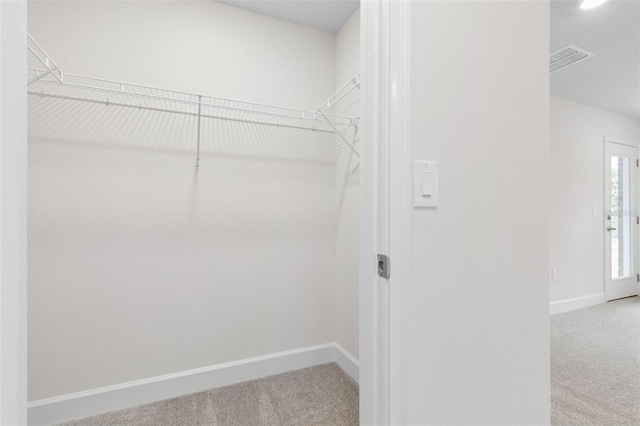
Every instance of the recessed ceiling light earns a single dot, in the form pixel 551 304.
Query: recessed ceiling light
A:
pixel 590 4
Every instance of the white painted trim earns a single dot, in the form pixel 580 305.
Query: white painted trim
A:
pixel 347 362
pixel 627 142
pixel 13 213
pixel 385 210
pixel 568 305
pixel 117 397
pixel 619 290
pixel 400 189
pixel 374 365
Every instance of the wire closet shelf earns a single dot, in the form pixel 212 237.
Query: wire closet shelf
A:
pixel 46 79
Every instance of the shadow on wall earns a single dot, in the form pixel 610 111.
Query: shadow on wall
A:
pixel 123 159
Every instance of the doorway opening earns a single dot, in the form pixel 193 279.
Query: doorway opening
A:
pixel 194 210
pixel 621 217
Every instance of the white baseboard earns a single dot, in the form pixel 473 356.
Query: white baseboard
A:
pixel 117 397
pixel 347 362
pixel 568 305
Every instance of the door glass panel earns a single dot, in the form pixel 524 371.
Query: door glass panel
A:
pixel 620 224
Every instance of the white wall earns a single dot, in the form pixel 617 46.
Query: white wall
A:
pixel 577 180
pixel 139 266
pixel 347 200
pixel 193 46
pixel 479 302
pixel 13 207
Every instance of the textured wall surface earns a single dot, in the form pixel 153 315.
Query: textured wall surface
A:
pixel 479 303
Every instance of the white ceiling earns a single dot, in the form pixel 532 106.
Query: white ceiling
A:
pixel 325 15
pixel 611 79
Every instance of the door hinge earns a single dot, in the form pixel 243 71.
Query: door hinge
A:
pixel 638 278
pixel 638 162
pixel 637 220
pixel 383 266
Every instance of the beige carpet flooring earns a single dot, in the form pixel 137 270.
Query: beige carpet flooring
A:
pixel 321 395
pixel 595 365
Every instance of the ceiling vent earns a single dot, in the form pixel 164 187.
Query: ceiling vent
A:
pixel 566 56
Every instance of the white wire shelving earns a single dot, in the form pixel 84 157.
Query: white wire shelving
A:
pixel 340 102
pixel 46 79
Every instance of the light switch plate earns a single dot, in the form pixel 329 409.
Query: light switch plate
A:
pixel 425 183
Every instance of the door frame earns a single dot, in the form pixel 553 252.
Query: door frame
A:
pixel 13 213
pixel 384 210
pixel 384 226
pixel 636 239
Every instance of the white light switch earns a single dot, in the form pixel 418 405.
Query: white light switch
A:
pixel 425 183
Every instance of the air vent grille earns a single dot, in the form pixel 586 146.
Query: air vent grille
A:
pixel 566 56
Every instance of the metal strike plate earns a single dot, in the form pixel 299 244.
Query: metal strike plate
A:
pixel 383 266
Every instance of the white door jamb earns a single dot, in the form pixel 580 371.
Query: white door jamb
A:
pixel 13 213
pixel 385 210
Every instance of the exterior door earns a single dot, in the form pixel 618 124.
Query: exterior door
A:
pixel 621 220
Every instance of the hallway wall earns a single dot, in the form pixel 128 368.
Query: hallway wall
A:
pixel 576 237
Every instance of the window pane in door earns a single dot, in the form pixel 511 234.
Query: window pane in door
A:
pixel 620 217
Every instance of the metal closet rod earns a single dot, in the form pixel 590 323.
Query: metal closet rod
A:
pixel 172 111
pixel 253 110
pixel 303 113
pixel 194 103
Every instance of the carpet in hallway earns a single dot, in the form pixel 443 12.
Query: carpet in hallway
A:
pixel 595 365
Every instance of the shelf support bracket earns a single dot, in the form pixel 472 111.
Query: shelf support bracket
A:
pixel 199 118
pixel 339 133
pixel 46 63
pixel 38 77
pixel 355 136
